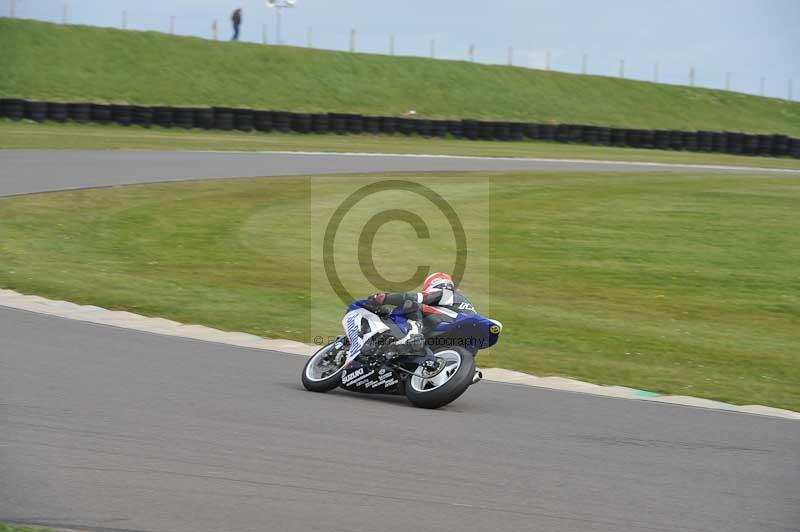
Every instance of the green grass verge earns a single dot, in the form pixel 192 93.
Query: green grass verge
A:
pixel 51 61
pixel 4 527
pixel 679 284
pixel 26 134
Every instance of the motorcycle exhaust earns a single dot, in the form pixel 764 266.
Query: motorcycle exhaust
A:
pixel 477 377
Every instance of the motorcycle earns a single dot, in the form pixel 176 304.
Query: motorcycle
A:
pixel 431 370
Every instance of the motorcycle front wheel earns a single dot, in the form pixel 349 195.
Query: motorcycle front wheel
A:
pixel 323 371
pixel 445 385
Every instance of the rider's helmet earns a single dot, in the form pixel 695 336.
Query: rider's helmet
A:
pixel 438 281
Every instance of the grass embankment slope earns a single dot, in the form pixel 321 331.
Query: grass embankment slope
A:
pixel 76 63
pixel 673 283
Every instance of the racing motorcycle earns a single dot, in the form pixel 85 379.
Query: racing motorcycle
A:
pixel 431 370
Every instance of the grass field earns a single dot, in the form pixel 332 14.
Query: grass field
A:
pixel 680 284
pixel 16 528
pixel 69 62
pixel 26 134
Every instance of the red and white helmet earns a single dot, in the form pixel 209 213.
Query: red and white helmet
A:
pixel 438 280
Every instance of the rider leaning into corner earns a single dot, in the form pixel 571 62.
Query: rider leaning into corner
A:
pixel 438 302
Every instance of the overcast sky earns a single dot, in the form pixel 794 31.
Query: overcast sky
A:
pixel 749 38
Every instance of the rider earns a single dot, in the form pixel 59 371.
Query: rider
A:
pixel 438 302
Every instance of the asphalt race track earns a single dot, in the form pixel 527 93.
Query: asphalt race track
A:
pixel 106 429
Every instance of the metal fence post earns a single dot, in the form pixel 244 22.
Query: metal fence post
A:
pixel 433 48
pixel 547 60
pixel 12 8
pixel 215 30
pixel 472 53
pixel 510 56
pixel 264 34
pixel 172 25
pixel 691 77
pixel 655 71
pixel 762 86
pixel 727 81
pixel 790 89
pixel 622 68
pixel 391 44
pixel 353 40
pixel 584 63
pixel 309 37
pixel 64 13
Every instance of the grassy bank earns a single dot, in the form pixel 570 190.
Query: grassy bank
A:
pixel 50 61
pixel 30 135
pixel 679 284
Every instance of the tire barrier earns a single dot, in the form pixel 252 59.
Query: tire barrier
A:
pixel 439 128
pixel 101 113
pixel 301 123
pixel 263 121
pixel 36 111
pixel 371 125
pixel 471 129
pixel 183 117
pixel 243 119
pixel 690 140
pixel 57 111
pixel 122 114
pixel 282 121
pixel 142 116
pixel 203 117
pixel 387 125
pixel 338 123
pixel 516 131
pixel 227 119
pixel 486 130
pixel 223 118
pixel 12 108
pixel 423 127
pixel 704 140
pixel 320 123
pixel 354 124
pixel 619 137
pixel 406 126
pixel 163 116
pixel 455 128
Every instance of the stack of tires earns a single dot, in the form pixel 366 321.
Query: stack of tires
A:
pixel 57 111
pixel 372 125
pixel 142 115
pixel 203 117
pixel 320 123
pixel 726 142
pixel 12 108
pixel 122 114
pixel 794 147
pixel 243 120
pixel 183 117
pixel 282 121
pixel 662 140
pixel 163 116
pixel 387 125
pixel 455 128
pixel 36 111
pixel 704 141
pixel 338 123
pixel 262 120
pixel 471 129
pixel 780 145
pixel 301 122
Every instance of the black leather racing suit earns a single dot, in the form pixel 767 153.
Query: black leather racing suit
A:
pixel 431 307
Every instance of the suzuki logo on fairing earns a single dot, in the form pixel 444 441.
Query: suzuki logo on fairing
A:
pixel 466 306
pixel 350 376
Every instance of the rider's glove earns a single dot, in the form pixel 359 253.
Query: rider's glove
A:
pixel 378 298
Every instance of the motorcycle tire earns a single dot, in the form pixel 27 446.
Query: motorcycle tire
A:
pixel 321 385
pixel 428 394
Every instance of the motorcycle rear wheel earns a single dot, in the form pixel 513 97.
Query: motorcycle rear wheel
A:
pixel 447 385
pixel 318 375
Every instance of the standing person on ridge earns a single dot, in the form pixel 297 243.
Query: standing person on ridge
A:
pixel 236 18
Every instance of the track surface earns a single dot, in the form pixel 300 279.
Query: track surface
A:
pixel 25 171
pixel 113 430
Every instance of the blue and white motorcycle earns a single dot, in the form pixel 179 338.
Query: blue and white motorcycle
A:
pixel 393 358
